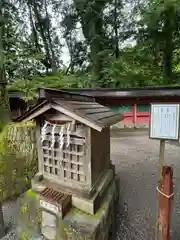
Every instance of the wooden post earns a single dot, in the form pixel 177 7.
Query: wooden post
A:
pixel 134 112
pixel 161 159
pixel 165 121
pixel 165 191
pixel 161 163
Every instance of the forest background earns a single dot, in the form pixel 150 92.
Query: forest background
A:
pixel 88 43
pixel 79 44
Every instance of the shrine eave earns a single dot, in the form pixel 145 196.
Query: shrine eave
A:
pixel 127 94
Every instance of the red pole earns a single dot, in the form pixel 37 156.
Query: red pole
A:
pixel 134 112
pixel 165 203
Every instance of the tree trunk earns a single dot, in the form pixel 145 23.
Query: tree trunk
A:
pixel 116 30
pixel 4 101
pixel 92 26
pixel 3 95
pixel 33 28
pixel 47 61
pixel 168 53
pixel 53 60
pixel 2 227
pixel 168 47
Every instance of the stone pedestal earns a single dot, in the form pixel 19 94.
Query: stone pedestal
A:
pixel 75 225
pixel 88 205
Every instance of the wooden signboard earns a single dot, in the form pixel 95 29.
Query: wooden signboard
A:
pixel 164 121
pixel 164 125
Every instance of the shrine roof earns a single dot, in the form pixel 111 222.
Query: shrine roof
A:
pixel 77 106
pixel 118 93
pixel 124 93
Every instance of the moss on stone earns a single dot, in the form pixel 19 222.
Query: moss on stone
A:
pixel 24 209
pixel 80 212
pixel 76 236
pixel 18 158
pixel 24 236
pixel 98 211
pixel 39 217
pixel 65 229
pixel 31 194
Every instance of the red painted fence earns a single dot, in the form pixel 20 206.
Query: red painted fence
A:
pixel 140 118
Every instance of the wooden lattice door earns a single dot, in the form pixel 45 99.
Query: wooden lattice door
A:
pixel 62 161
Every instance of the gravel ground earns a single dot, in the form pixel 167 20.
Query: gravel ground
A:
pixel 136 160
pixel 9 210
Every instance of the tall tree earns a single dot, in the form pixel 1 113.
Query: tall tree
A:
pixel 91 18
pixel 4 105
pixel 44 40
pixel 3 82
pixel 77 47
pixel 107 26
pixel 162 21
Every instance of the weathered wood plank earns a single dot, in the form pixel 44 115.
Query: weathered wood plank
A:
pixel 87 111
pixel 100 116
pixel 64 151
pixel 78 103
pixel 73 140
pixel 109 121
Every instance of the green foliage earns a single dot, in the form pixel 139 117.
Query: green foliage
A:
pixel 132 69
pixel 31 193
pixel 60 80
pixel 161 19
pixel 95 35
pixel 24 236
pixel 24 209
pixel 18 159
pixel 4 117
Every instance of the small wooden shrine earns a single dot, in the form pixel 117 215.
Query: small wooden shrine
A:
pixel 73 143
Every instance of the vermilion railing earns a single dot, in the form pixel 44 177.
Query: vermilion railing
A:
pixel 141 118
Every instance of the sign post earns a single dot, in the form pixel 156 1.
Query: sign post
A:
pixel 164 125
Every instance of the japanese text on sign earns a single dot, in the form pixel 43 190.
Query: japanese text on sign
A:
pixel 164 122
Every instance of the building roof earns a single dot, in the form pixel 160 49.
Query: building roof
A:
pixel 15 94
pixel 119 93
pixel 87 111
pixel 122 93
pixel 49 93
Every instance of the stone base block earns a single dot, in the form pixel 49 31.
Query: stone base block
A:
pixel 92 205
pixel 37 223
pixel 89 205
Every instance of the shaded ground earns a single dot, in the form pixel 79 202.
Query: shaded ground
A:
pixel 9 210
pixel 136 160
